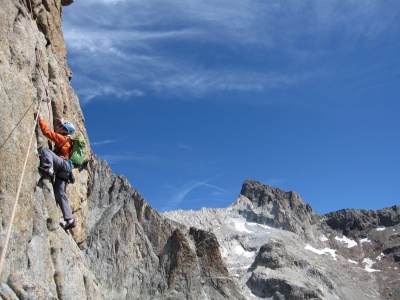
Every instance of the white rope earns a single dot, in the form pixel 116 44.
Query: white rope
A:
pixel 10 225
pixel 4 250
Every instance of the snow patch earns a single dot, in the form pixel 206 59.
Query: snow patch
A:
pixel 224 252
pixel 323 238
pixel 366 240
pixel 241 227
pixel 248 254
pixel 380 228
pixel 368 265
pixel 238 250
pixel 323 251
pixel 380 256
pixel 260 225
pixel 350 243
pixel 353 262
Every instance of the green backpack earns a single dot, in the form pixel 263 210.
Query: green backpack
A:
pixel 78 151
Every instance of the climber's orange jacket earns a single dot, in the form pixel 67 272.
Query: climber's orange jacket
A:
pixel 60 141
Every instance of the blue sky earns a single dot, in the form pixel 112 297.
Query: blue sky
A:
pixel 188 99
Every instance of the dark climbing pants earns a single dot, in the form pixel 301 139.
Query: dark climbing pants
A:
pixel 50 160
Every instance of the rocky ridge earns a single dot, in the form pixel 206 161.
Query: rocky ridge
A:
pixel 277 247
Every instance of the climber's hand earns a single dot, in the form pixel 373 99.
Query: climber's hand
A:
pixel 39 115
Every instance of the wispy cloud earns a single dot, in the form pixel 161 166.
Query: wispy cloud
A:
pixel 89 89
pixel 180 194
pixel 126 157
pixel 155 48
pixel 184 147
pixel 98 143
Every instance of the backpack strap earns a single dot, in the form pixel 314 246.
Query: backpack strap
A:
pixel 59 149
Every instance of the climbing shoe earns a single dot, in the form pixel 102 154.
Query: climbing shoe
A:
pixel 48 172
pixel 70 224
pixel 71 178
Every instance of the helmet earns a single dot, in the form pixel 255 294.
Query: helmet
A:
pixel 70 128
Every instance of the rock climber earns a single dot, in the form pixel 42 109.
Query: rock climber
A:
pixel 57 164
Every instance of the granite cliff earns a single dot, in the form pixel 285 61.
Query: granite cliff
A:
pixel 122 248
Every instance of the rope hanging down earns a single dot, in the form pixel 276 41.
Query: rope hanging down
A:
pixel 10 225
pixel 27 6
pixel 20 120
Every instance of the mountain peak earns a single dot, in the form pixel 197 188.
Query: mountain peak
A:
pixel 274 207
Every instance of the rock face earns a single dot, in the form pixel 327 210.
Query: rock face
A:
pixel 276 208
pixel 121 248
pixel 277 247
pixel 137 254
pixel 357 223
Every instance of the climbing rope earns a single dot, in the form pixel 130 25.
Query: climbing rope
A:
pixel 28 11
pixel 15 127
pixel 39 68
pixel 4 250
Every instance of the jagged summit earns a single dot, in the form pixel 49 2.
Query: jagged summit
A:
pixel 262 194
pixel 273 207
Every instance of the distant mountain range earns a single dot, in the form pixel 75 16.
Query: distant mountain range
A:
pixel 276 247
